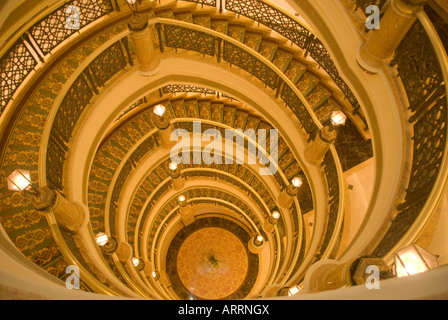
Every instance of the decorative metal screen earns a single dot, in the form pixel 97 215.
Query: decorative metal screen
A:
pixel 15 65
pixel 67 20
pixel 184 38
pixel 244 60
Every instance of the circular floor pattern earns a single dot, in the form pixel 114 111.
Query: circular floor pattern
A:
pixel 212 263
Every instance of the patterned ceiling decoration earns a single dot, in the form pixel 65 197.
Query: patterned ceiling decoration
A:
pixel 196 275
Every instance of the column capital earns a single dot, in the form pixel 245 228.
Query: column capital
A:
pixel 44 199
pixel 328 134
pixel 138 23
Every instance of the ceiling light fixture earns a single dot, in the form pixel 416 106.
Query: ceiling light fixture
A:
pixel 20 180
pixel 412 260
pixel 338 118
pixel 133 5
pixel 160 110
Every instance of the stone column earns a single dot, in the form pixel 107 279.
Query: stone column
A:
pixel 164 126
pixel 255 246
pixel 269 225
pixel 287 196
pixel 178 181
pixel 382 43
pixel 68 214
pixel 143 43
pixel 124 251
pixel 186 214
pixel 316 150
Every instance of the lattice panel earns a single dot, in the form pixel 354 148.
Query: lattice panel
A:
pixel 58 26
pixel 15 65
pixel 269 16
pixel 429 144
pixel 249 63
pixel 180 88
pixel 55 158
pixel 417 67
pixel 184 38
pixel 77 98
pixel 115 61
pixel 204 2
pixel 294 31
pixel 294 103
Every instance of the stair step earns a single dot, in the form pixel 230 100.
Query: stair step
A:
pixel 252 123
pixel 292 170
pixel 295 71
pixel 282 59
pixel 203 21
pixel 229 116
pixel 217 110
pixel 178 107
pixel 168 14
pixel 307 83
pixel 253 40
pixel 268 49
pixel 240 119
pixel 191 106
pixel 318 96
pixel 184 16
pixel 236 32
pixel 204 107
pixel 221 26
pixel 285 160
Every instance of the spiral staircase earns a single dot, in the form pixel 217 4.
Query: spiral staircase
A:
pixel 78 113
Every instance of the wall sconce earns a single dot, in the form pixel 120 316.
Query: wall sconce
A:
pixel 259 240
pixel 256 244
pixel 287 195
pixel 70 215
pixel 155 275
pixel 20 180
pixel 133 5
pixel 138 264
pixel 293 188
pixel 338 118
pixel 162 120
pixel 273 219
pixel 182 200
pixel 412 260
pixel 108 244
pixel 294 290
pixel 160 110
pixel 174 170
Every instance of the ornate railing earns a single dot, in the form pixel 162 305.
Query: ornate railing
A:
pixel 422 76
pixel 233 53
pixel 44 36
pixel 286 25
pixel 420 61
pixel 84 88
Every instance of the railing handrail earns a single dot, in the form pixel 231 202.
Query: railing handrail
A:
pixel 440 186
